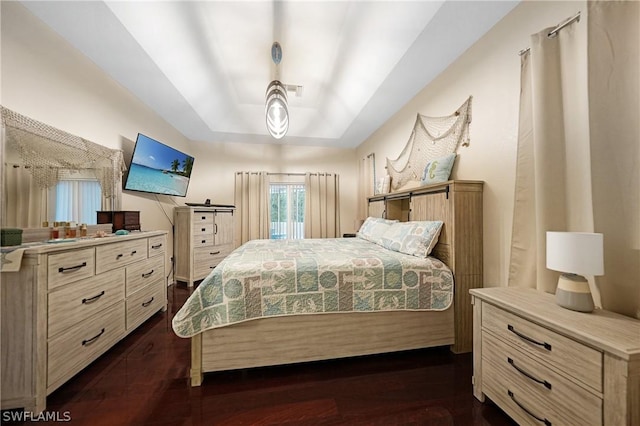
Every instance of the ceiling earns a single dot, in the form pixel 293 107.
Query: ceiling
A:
pixel 204 66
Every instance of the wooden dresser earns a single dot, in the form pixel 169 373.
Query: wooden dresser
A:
pixel 203 236
pixel 69 303
pixel 543 364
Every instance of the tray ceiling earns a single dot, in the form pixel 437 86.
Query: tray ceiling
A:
pixel 204 66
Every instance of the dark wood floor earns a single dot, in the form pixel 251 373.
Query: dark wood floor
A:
pixel 143 380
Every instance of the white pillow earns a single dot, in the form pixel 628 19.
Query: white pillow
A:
pixel 374 228
pixel 416 238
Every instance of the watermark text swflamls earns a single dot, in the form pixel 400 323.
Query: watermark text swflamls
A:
pixel 28 416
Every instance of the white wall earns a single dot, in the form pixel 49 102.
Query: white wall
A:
pixel 490 72
pixel 45 78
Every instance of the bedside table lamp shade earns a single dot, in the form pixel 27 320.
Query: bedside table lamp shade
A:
pixel 575 254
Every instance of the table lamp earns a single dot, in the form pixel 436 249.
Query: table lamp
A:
pixel 575 254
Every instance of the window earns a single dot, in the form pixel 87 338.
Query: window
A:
pixel 287 211
pixel 75 198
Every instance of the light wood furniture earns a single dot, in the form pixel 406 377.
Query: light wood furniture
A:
pixel 282 340
pixel 543 364
pixel 459 205
pixel 203 236
pixel 69 303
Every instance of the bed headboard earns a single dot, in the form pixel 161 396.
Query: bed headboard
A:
pixel 458 204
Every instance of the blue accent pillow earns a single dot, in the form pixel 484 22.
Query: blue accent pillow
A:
pixel 438 170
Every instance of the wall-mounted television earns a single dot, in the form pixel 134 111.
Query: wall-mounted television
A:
pixel 158 169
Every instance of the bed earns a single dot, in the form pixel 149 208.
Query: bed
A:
pixel 273 302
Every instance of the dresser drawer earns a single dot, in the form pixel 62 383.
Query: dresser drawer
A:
pixel 156 246
pixel 76 302
pixel 116 255
pixel 70 266
pixel 559 352
pixel 81 344
pixel 202 218
pixel 207 258
pixel 202 240
pixel 145 303
pixel 202 229
pixel 556 396
pixel 144 273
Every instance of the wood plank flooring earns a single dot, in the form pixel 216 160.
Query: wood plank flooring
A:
pixel 143 380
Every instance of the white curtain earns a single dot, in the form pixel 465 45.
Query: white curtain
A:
pixel 577 158
pixel 24 202
pixel 252 206
pixel 322 205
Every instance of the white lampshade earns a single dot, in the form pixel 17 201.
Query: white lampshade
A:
pixel 578 253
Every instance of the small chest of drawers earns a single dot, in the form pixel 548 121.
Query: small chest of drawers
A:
pixel 546 365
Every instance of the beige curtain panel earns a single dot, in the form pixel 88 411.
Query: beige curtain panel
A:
pixel 614 111
pixel 577 160
pixel 366 184
pixel 24 201
pixel 252 206
pixel 322 206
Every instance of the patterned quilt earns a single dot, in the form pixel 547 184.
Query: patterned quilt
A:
pixel 268 278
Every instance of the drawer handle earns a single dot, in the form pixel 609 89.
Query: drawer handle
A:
pixel 92 299
pixel 204 241
pixel 148 274
pixel 203 229
pixel 145 304
pixel 93 339
pixel 157 246
pixel 216 228
pixel 119 256
pixel 215 252
pixel 540 419
pixel 529 375
pixel 203 217
pixel 529 339
pixel 134 252
pixel 72 268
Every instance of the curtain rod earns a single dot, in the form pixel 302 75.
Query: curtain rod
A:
pixel 554 32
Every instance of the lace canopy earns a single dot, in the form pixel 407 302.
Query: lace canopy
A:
pixel 47 151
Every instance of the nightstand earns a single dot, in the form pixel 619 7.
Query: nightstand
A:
pixel 543 364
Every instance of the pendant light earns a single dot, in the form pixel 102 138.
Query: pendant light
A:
pixel 276 105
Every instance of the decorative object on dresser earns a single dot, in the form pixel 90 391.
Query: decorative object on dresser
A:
pixel 543 364
pixel 127 220
pixel 203 236
pixel 71 302
pixel 575 254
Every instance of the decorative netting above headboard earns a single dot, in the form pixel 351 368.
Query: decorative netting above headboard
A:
pixel 47 151
pixel 431 138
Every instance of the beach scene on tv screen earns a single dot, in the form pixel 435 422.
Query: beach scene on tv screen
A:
pixel 159 168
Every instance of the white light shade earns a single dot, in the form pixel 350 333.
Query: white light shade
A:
pixel 578 253
pixel 276 111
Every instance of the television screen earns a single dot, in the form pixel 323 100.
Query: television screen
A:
pixel 158 168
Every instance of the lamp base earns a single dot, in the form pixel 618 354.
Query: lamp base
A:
pixel 573 293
